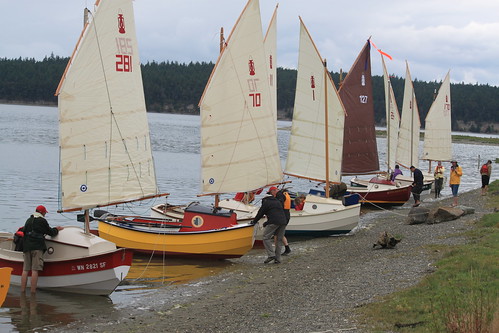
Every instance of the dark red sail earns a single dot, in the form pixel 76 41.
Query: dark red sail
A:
pixel 360 153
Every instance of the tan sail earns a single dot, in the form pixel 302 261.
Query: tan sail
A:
pixel 105 150
pixel 392 119
pixel 238 137
pixel 438 138
pixel 408 140
pixel 315 145
pixel 360 152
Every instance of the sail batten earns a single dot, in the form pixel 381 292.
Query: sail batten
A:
pixel 239 149
pixel 437 135
pixel 308 148
pixel 102 115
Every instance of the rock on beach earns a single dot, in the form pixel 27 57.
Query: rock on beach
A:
pixel 317 288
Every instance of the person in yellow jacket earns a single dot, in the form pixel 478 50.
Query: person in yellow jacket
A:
pixel 454 180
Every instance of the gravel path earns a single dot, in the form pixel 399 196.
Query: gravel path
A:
pixel 315 289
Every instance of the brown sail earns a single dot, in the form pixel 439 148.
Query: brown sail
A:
pixel 360 153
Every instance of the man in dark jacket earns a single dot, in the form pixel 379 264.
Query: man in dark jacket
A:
pixel 276 224
pixel 417 185
pixel 34 246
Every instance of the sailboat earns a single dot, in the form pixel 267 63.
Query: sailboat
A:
pixel 408 140
pixel 437 135
pixel 315 145
pixel 100 92
pixel 392 128
pixel 360 153
pixel 239 150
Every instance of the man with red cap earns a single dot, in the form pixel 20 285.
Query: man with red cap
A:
pixel 275 225
pixel 35 229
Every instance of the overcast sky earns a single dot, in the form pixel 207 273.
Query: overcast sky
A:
pixel 434 36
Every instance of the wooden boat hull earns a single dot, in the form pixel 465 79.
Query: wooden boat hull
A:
pixel 5 273
pixel 232 242
pixel 323 217
pixel 319 217
pixel 379 195
pixel 74 262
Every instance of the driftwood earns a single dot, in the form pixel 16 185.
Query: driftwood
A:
pixel 386 241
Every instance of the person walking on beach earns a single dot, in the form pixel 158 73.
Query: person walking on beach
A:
pixel 35 229
pixel 285 199
pixel 485 172
pixel 439 178
pixel 275 225
pixel 417 185
pixel 454 180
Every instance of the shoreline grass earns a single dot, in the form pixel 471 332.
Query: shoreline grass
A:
pixel 462 296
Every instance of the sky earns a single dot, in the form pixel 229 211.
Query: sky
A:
pixel 433 36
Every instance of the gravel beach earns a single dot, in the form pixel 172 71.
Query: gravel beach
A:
pixel 317 288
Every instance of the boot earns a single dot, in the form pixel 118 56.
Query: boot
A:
pixel 286 251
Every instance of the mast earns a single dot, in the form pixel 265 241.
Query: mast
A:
pixel 326 128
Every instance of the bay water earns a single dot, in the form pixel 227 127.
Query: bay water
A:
pixel 29 169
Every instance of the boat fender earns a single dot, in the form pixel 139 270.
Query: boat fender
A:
pixel 376 186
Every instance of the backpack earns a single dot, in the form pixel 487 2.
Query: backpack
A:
pixel 19 239
pixel 484 169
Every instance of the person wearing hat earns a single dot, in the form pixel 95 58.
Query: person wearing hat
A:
pixel 285 199
pixel 454 180
pixel 417 185
pixel 35 229
pixel 275 225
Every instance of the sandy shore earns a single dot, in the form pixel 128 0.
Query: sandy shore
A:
pixel 315 289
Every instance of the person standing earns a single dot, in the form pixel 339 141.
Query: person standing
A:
pixel 285 199
pixel 275 225
pixel 417 185
pixel 454 180
pixel 35 229
pixel 439 178
pixel 485 172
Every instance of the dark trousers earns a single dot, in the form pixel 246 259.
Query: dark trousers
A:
pixel 438 186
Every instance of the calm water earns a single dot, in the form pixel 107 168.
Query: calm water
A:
pixel 29 177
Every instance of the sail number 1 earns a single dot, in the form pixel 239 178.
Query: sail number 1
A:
pixel 124 54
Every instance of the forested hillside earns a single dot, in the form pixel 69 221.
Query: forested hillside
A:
pixel 176 88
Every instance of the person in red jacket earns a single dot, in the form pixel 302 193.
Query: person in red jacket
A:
pixel 35 229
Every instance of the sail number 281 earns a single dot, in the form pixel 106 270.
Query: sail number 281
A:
pixel 124 54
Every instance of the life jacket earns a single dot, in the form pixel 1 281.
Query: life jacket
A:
pixel 484 169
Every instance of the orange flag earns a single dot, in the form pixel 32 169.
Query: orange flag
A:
pixel 383 53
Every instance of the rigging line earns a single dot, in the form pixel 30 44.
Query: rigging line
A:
pixel 113 117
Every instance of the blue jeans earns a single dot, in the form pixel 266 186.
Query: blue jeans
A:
pixel 454 188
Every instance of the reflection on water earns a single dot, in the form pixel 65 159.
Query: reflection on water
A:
pixel 152 271
pixel 26 312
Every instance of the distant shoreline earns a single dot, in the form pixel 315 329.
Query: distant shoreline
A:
pixel 467 139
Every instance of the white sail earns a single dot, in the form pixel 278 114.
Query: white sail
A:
pixel 105 150
pixel 438 138
pixel 392 119
pixel 307 145
pixel 238 136
pixel 408 140
pixel 270 44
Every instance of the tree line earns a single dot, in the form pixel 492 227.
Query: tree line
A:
pixel 173 87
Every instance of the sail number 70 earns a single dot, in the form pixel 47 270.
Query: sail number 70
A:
pixel 256 97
